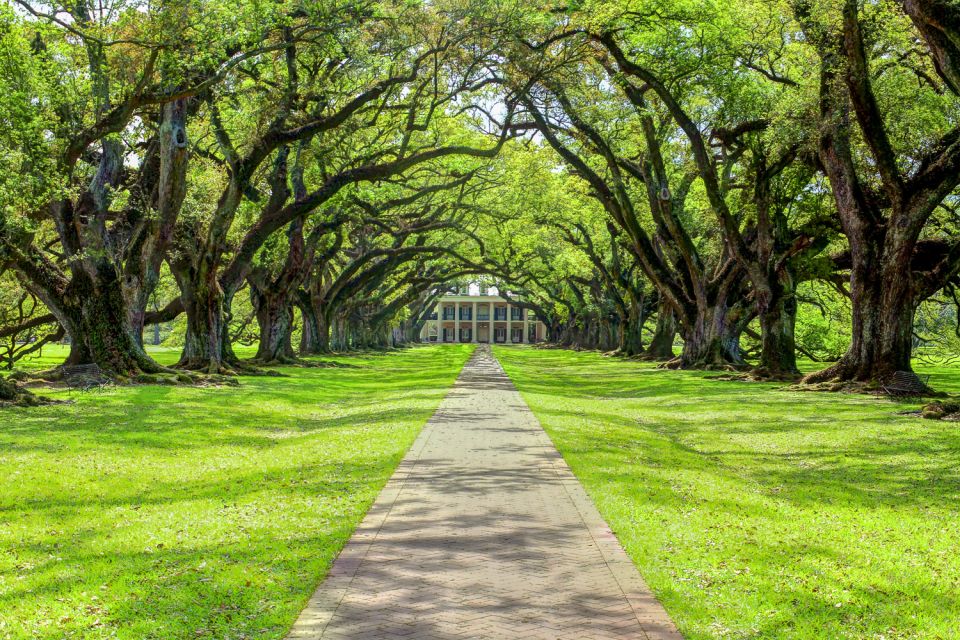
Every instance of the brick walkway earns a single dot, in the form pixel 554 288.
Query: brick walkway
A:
pixel 483 532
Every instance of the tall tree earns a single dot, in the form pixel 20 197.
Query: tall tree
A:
pixel 888 180
pixel 109 93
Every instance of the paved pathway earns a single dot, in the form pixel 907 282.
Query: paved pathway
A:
pixel 483 532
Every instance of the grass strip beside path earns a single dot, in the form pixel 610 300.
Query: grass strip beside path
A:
pixel 178 512
pixel 760 513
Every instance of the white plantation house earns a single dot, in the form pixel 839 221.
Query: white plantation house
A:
pixel 477 317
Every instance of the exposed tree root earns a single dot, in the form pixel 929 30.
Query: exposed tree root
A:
pixel 949 411
pixel 626 355
pixel 759 375
pixel 13 395
pixel 202 365
pixel 224 369
pixel 180 378
pixel 678 363
pixel 840 378
pixel 835 386
pixel 327 364
pixel 837 373
pixel 287 361
pixel 762 374
pixel 549 345
pixel 646 356
pixel 250 369
pixel 57 378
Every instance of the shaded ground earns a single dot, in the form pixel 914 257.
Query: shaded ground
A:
pixel 171 512
pixel 758 513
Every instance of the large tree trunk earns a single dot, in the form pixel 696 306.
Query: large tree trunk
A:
pixel 315 334
pixel 554 332
pixel 206 333
pixel 609 334
pixel 152 237
pixel 631 330
pixel 591 333
pixel 338 333
pixel 631 338
pixel 883 292
pixel 412 328
pixel 882 301
pixel 778 356
pixel 661 344
pixel 275 319
pixel 713 340
pixel 582 333
pixel 566 335
pixel 778 318
pixel 898 301
pixel 94 315
pixel 316 338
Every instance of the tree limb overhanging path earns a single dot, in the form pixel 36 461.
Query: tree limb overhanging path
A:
pixel 483 532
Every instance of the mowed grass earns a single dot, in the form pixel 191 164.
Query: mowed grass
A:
pixel 755 512
pixel 170 512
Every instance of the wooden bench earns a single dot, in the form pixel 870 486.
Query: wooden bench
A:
pixel 904 384
pixel 83 376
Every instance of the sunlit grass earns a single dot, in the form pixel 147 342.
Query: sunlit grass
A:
pixel 760 513
pixel 176 512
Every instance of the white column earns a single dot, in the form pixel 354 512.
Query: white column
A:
pixel 490 324
pixel 509 323
pixel 456 322
pixel 526 325
pixel 473 331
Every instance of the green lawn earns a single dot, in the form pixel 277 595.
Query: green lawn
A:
pixel 172 512
pixel 760 513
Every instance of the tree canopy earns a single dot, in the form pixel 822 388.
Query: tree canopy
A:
pixel 764 180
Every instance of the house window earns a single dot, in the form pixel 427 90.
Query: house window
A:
pixel 499 313
pixel 500 334
pixel 516 335
pixel 466 335
pixel 466 313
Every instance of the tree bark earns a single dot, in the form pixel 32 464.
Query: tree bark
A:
pixel 275 319
pixel 778 318
pixel 203 299
pixel 882 296
pixel 631 337
pixel 661 344
pixel 152 234
pixel 882 229
pixel 713 339
pixel 94 315
pixel 315 334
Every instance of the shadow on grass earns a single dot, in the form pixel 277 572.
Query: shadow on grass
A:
pixel 177 512
pixel 759 512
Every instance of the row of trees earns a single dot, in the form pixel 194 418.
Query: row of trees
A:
pixel 634 170
pixel 320 156
pixel 740 151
